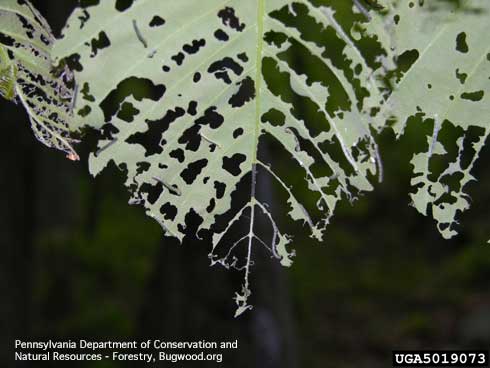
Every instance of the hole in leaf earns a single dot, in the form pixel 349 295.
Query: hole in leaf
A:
pixel 461 44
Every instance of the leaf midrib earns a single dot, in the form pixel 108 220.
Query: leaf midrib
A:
pixel 258 77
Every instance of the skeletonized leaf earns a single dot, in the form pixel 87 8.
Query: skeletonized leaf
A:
pixel 26 74
pixel 447 84
pixel 187 93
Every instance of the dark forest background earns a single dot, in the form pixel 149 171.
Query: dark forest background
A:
pixel 77 262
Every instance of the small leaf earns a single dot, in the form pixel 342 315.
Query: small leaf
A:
pixel 8 76
pixel 26 75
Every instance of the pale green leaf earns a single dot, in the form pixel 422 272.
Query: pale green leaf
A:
pixel 200 100
pixel 448 86
pixel 26 74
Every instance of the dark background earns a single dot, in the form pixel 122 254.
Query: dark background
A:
pixel 78 262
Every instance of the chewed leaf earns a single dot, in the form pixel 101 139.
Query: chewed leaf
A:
pixel 447 86
pixel 186 93
pixel 26 75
